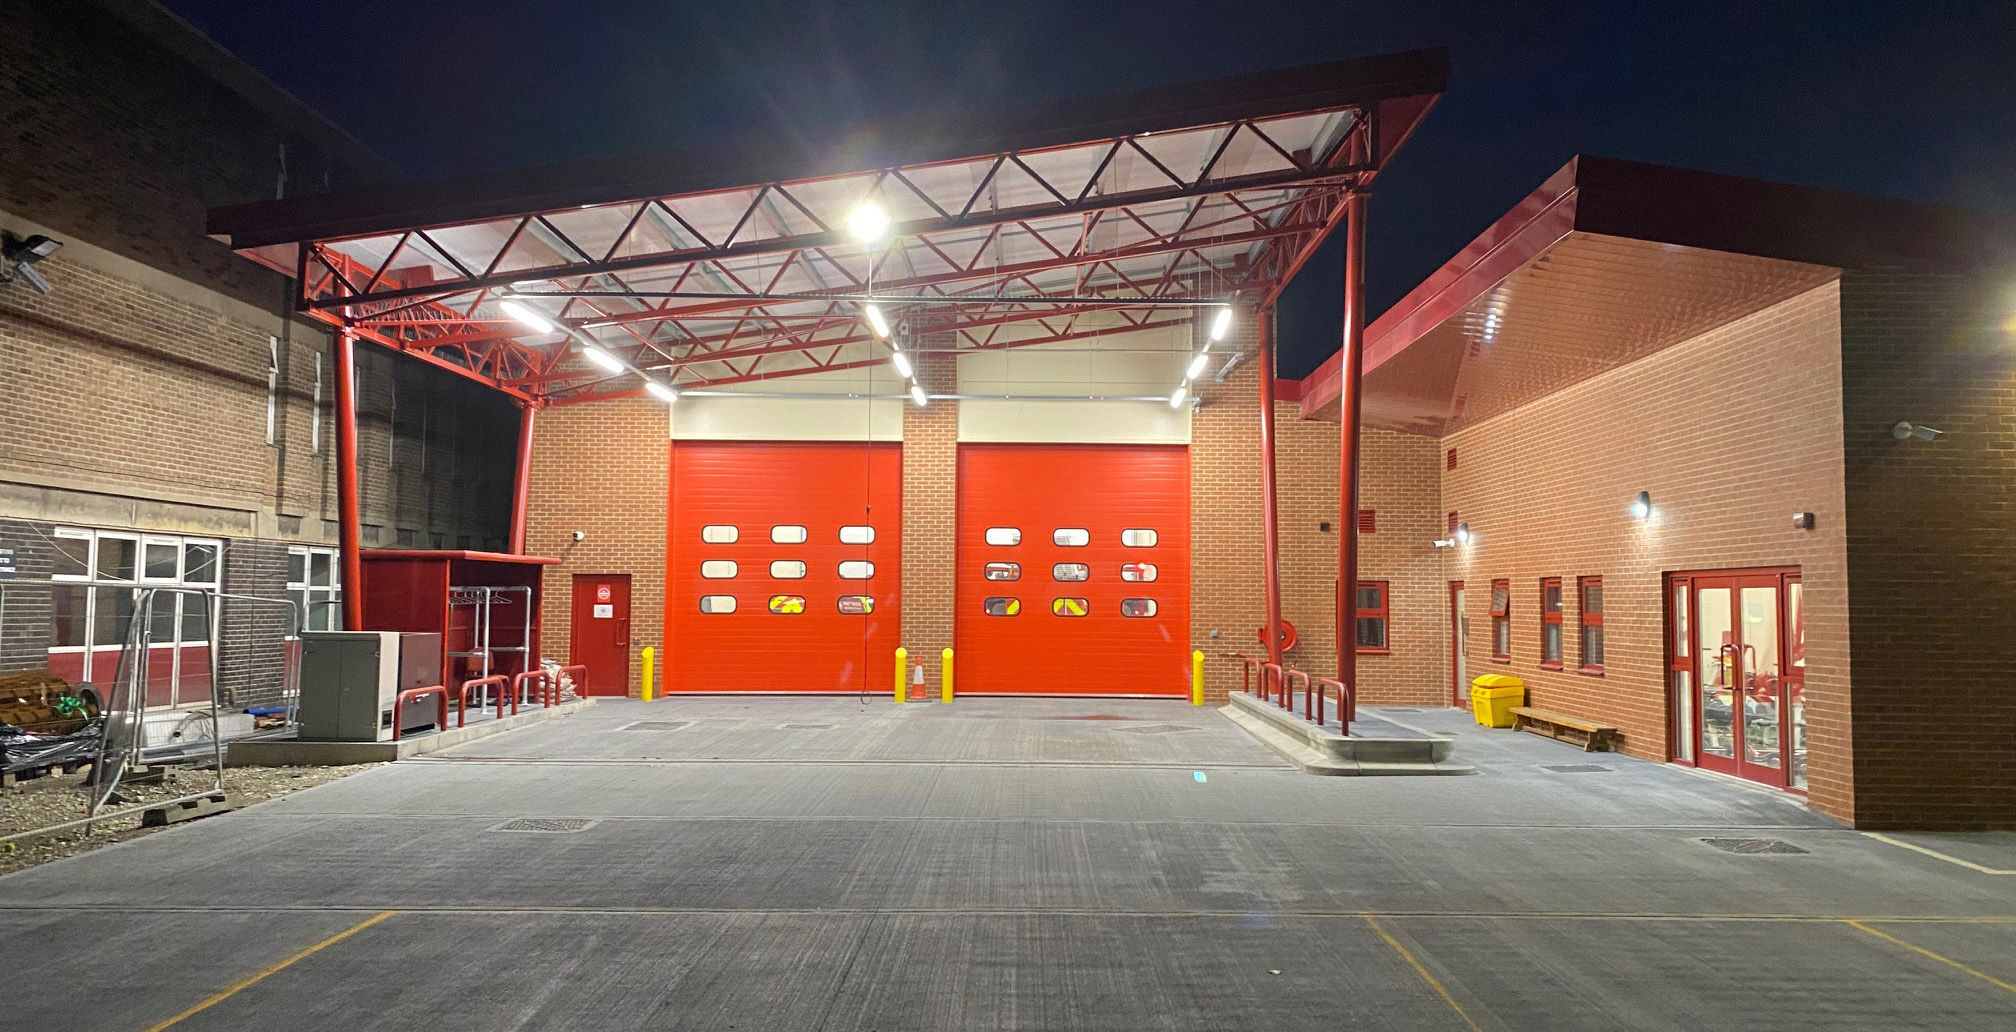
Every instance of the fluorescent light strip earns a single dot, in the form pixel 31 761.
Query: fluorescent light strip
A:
pixel 603 358
pixel 526 314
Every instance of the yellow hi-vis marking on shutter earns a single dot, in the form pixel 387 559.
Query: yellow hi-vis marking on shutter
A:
pixel 1068 607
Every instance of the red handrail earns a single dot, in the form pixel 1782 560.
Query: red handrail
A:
pixel 1249 670
pixel 518 688
pixel 399 703
pixel 1347 703
pixel 1290 692
pixel 499 681
pixel 580 682
pixel 1275 684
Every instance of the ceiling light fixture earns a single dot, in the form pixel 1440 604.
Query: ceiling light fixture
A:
pixel 526 314
pixel 602 358
pixel 1197 365
pixel 1221 324
pixel 868 222
pixel 1177 397
pixel 917 394
pixel 661 392
pixel 876 320
pixel 902 364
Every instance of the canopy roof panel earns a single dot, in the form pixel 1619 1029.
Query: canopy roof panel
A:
pixel 731 265
pixel 1606 263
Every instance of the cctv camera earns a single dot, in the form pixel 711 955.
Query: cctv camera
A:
pixel 580 535
pixel 28 275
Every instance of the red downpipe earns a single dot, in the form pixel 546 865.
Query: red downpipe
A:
pixel 349 545
pixel 1350 396
pixel 521 494
pixel 1270 529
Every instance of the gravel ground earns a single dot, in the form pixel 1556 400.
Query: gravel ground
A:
pixel 58 798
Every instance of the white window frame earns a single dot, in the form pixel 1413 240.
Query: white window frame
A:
pixel 321 604
pixel 93 585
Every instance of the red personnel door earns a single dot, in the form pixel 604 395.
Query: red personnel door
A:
pixel 1736 648
pixel 601 638
pixel 1073 569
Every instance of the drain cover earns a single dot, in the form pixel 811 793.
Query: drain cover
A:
pixel 1400 709
pixel 805 727
pixel 549 825
pixel 1156 729
pixel 1755 846
pixel 1577 768
pixel 655 725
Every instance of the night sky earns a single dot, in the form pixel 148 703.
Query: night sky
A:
pixel 1914 100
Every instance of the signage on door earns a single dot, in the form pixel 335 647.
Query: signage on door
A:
pixel 602 593
pixel 605 612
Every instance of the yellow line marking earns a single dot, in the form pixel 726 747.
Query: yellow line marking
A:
pixel 1922 951
pixel 248 982
pixel 1935 854
pixel 1426 976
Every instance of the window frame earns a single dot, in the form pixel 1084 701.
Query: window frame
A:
pixel 1384 614
pixel 1584 621
pixel 328 596
pixel 1501 620
pixel 1551 617
pixel 180 606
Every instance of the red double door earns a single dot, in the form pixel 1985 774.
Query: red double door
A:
pixel 1736 663
pixel 783 566
pixel 1073 569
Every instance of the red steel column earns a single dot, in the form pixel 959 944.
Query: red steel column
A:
pixel 1270 529
pixel 1351 384
pixel 521 492
pixel 350 555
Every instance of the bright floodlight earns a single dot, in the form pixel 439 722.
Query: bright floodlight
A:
pixel 917 394
pixel 1197 365
pixel 1222 323
pixel 901 363
pixel 868 222
pixel 526 314
pixel 603 358
pixel 1176 399
pixel 876 320
pixel 661 392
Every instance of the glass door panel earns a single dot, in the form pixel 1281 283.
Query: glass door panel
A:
pixel 1795 681
pixel 1715 647
pixel 1459 631
pixel 1760 676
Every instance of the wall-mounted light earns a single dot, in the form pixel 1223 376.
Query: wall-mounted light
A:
pixel 661 392
pixel 18 256
pixel 868 222
pixel 1906 431
pixel 1462 533
pixel 602 358
pixel 1641 506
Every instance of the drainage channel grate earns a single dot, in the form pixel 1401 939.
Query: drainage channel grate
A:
pixel 547 825
pixel 1156 729
pixel 804 727
pixel 1577 768
pixel 655 725
pixel 1754 846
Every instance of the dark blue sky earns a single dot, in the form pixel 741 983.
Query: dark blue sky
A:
pixel 1913 100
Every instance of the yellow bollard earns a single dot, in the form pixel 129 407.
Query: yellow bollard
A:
pixel 649 655
pixel 902 672
pixel 1197 678
pixel 945 676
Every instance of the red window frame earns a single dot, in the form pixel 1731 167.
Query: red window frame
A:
pixel 1587 621
pixel 1501 621
pixel 1550 623
pixel 1381 613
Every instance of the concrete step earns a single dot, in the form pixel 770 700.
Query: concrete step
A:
pixel 1319 750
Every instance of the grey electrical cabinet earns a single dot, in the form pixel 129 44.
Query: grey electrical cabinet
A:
pixel 350 681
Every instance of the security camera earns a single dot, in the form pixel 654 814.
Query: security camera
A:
pixel 1906 431
pixel 18 256
pixel 580 535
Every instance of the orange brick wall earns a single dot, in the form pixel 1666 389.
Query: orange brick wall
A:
pixel 1732 433
pixel 1931 565
pixel 602 469
pixel 930 506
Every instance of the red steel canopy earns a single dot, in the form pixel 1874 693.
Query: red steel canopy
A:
pixel 733 265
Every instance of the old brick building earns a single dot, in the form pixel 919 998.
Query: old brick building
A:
pixel 164 419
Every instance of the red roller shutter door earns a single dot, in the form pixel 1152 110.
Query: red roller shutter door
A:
pixel 1047 493
pixel 740 615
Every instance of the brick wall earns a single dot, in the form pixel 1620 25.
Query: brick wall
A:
pixel 602 469
pixel 250 656
pixel 1732 433
pixel 25 609
pixel 930 508
pixel 1932 573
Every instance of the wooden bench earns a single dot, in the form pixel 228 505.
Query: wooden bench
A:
pixel 1595 737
